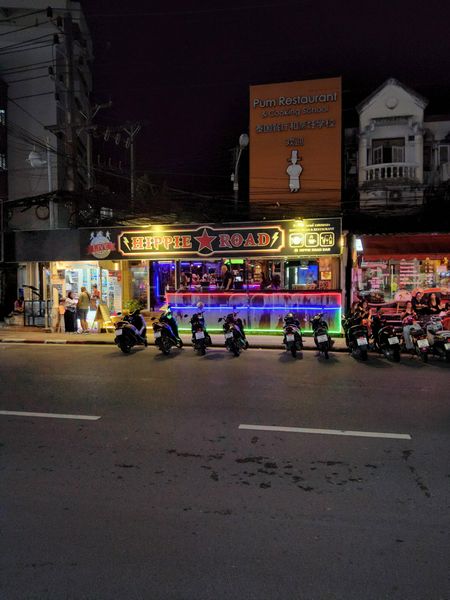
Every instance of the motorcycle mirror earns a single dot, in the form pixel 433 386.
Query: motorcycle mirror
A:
pixel 185 316
pixel 218 320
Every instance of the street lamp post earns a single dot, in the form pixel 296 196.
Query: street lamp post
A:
pixel 243 143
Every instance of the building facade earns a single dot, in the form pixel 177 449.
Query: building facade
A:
pixel 45 58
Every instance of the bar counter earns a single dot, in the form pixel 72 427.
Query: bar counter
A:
pixel 261 312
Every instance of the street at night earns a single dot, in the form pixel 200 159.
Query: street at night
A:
pixel 164 497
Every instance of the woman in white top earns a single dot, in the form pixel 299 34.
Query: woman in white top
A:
pixel 70 314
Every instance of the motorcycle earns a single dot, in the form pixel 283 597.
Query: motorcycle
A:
pixel 356 336
pixel 385 338
pixel 165 330
pixel 322 340
pixel 130 331
pixel 420 343
pixel 439 339
pixel 292 335
pixel 233 330
pixel 200 337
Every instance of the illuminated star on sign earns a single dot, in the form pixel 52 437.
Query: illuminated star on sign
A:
pixel 205 241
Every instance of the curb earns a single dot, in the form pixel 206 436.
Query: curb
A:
pixel 85 342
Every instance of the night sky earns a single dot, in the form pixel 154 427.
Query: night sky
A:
pixel 184 68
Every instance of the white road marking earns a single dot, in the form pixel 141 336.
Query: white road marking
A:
pixel 55 342
pixel 371 434
pixel 13 340
pixel 49 415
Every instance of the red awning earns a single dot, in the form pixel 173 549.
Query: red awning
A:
pixel 423 245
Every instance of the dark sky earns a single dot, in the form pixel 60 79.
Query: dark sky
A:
pixel 184 68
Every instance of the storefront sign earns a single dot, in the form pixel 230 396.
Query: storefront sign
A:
pixel 295 142
pixel 100 245
pixel 302 238
pixel 203 241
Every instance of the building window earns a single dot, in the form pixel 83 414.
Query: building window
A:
pixel 444 154
pixel 3 162
pixel 388 151
pixel 2 116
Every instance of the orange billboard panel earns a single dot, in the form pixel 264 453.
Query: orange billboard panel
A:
pixel 295 143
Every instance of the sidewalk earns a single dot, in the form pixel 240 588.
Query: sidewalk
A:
pixel 35 335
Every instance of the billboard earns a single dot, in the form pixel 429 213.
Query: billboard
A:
pixel 295 143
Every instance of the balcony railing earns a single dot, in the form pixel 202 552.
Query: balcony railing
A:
pixel 391 171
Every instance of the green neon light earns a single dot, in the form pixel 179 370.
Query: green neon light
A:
pixel 305 333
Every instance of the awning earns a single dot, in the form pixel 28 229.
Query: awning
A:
pixel 421 246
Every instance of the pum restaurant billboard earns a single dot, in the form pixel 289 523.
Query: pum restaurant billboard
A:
pixel 295 143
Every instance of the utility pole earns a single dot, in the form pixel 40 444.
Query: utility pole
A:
pixel 89 128
pixel 132 130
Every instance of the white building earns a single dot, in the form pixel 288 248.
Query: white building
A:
pixel 401 151
pixel 45 64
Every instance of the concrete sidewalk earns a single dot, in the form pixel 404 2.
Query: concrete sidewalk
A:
pixel 35 335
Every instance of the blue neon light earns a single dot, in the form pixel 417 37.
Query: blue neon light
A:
pixel 292 308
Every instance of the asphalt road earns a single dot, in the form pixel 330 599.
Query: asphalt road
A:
pixel 164 497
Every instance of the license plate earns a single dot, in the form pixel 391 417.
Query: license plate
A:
pixel 393 340
pixel 118 332
pixel 228 335
pixel 199 335
pixel 423 343
pixel 290 337
pixel 447 346
pixel 322 338
pixel 362 341
pixel 157 334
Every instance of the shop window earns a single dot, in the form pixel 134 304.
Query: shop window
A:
pixel 2 116
pixel 3 162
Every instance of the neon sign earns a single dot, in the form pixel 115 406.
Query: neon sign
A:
pixel 203 241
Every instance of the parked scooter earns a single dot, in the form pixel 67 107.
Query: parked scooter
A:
pixel 200 337
pixel 321 337
pixel 233 330
pixel 292 334
pixel 165 330
pixel 356 336
pixel 385 338
pixel 438 338
pixel 421 344
pixel 131 331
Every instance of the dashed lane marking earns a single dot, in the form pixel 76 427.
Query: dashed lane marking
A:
pixel 14 413
pixel 369 434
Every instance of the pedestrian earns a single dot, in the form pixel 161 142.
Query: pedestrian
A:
pixel 84 301
pixel 70 313
pixel 61 313
pixel 95 297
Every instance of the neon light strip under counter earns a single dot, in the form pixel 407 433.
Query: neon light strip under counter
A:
pixel 246 307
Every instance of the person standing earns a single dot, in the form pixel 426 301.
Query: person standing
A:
pixel 95 297
pixel 84 301
pixel 70 313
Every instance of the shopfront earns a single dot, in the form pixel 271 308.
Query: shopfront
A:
pixel 262 269
pixel 390 269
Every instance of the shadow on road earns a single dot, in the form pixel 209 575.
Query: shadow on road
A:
pixel 285 357
pixel 215 355
pixel 376 363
